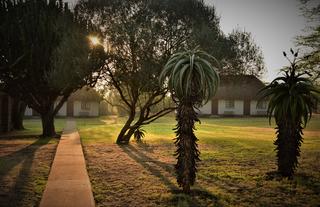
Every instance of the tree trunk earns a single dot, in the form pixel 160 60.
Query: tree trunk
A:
pixel 48 129
pixel 288 144
pixel 122 137
pixel 18 110
pixel 187 152
pixel 128 135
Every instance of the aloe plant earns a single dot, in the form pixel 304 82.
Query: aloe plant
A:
pixel 193 81
pixel 292 98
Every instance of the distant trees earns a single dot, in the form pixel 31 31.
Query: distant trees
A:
pixel 292 99
pixel 45 55
pixel 310 41
pixel 192 80
pixel 248 55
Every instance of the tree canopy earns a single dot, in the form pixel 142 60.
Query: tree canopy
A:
pixel 141 36
pixel 248 55
pixel 45 55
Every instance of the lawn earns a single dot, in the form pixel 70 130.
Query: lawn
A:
pixel 238 161
pixel 25 161
pixel 237 155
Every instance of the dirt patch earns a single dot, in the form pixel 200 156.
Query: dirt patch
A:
pixel 24 169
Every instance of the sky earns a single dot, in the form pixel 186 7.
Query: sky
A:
pixel 273 23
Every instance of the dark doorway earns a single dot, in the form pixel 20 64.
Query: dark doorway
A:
pixel 247 107
pixel 70 108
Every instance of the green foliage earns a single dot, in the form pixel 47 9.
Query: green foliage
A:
pixel 292 98
pixel 190 74
pixel 142 35
pixel 249 58
pixel 139 134
pixel 45 55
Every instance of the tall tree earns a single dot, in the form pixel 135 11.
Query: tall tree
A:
pixel 248 55
pixel 193 80
pixel 292 99
pixel 45 55
pixel 141 36
pixel 310 41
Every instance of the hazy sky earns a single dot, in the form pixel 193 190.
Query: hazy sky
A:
pixel 273 23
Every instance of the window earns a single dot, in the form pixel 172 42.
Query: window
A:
pixel 261 105
pixel 85 105
pixel 229 104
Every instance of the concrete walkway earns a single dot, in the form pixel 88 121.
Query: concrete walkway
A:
pixel 68 184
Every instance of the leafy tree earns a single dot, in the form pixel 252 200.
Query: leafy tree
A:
pixel 141 36
pixel 248 59
pixel 192 80
pixel 45 55
pixel 292 98
pixel 311 40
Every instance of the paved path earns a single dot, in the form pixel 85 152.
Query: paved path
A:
pixel 68 184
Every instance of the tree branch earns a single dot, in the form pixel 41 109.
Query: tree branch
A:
pixel 117 86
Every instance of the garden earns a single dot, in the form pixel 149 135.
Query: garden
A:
pixel 163 136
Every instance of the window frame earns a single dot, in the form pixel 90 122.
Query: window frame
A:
pixel 230 104
pixel 85 105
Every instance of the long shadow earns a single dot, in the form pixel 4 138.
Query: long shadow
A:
pixel 304 179
pixel 11 135
pixel 145 161
pixel 8 162
pixel 178 197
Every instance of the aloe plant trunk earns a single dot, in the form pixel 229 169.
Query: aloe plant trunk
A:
pixel 187 149
pixel 288 142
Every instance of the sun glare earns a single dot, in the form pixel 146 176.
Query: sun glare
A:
pixel 94 40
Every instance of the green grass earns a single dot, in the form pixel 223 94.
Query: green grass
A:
pixel 211 130
pixel 25 161
pixel 33 128
pixel 238 160
pixel 24 169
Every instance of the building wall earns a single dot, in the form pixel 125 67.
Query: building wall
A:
pixel 237 110
pixel 206 109
pixel 28 111
pixel 255 111
pixel 92 110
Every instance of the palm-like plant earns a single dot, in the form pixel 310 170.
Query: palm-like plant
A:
pixel 292 98
pixel 192 80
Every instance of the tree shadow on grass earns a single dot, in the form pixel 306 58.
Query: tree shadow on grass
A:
pixel 24 135
pixel 302 179
pixel 23 157
pixel 308 181
pixel 198 197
